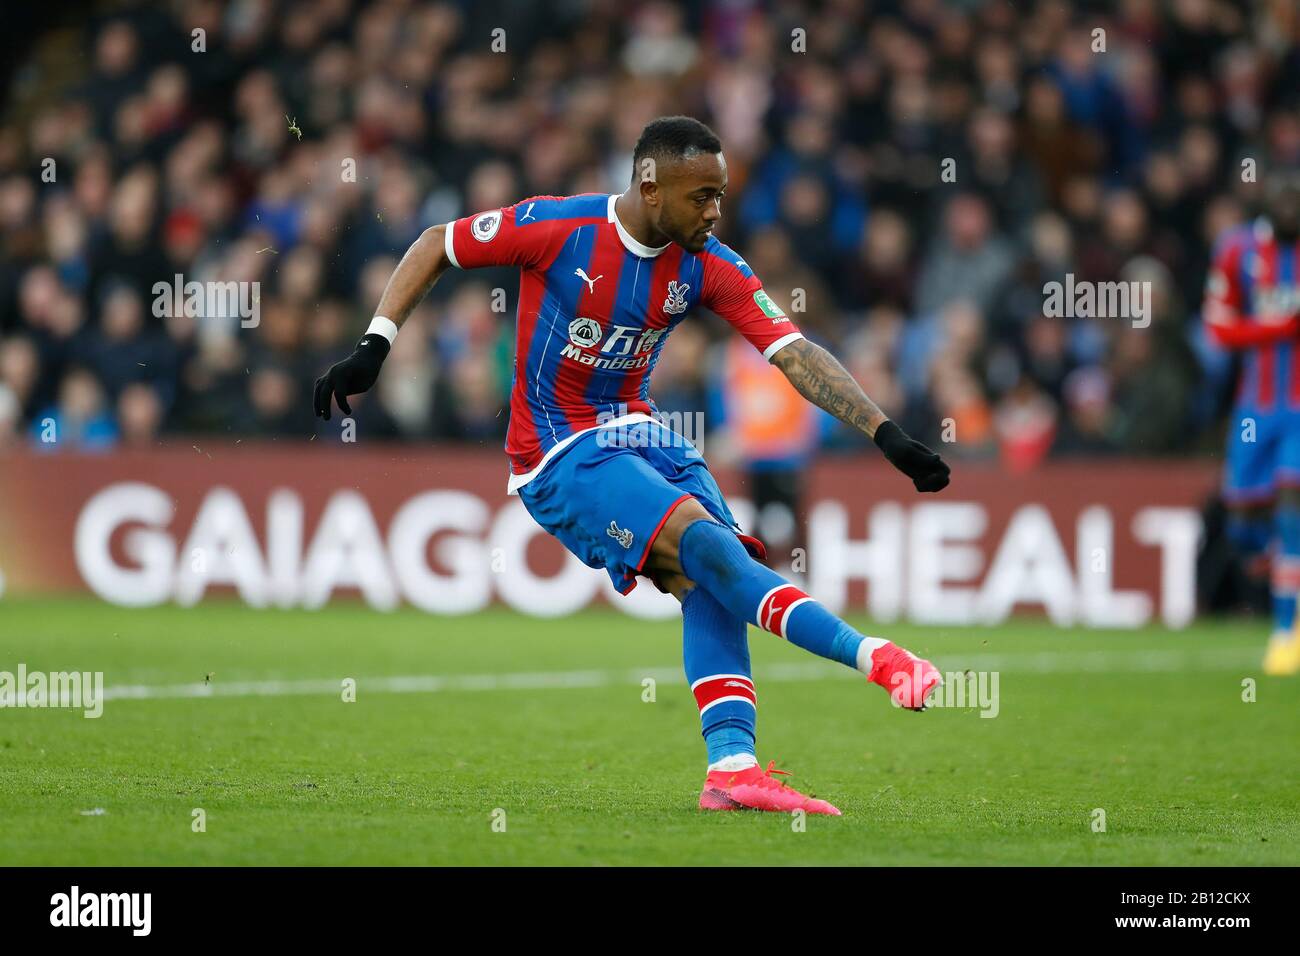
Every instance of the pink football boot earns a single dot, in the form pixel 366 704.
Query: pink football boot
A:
pixel 754 789
pixel 907 677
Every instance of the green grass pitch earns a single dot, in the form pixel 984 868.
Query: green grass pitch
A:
pixel 545 721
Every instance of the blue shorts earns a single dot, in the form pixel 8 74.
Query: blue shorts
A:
pixel 1256 469
pixel 607 495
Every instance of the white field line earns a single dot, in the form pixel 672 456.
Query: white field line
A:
pixel 1047 662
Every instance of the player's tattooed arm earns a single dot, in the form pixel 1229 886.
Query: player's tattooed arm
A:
pixel 415 275
pixel 819 377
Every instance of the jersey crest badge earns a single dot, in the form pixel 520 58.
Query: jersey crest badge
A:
pixel 622 535
pixel 675 304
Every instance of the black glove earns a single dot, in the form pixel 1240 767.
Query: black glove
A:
pixel 926 469
pixel 354 374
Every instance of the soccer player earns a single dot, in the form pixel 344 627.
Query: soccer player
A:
pixel 604 280
pixel 1252 304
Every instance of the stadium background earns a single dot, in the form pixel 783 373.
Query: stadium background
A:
pixel 189 518
pixel 227 164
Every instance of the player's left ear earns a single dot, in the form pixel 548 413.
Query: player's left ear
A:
pixel 648 181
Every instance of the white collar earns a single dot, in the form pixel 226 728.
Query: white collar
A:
pixel 629 242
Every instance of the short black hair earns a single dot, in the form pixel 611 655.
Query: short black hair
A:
pixel 674 137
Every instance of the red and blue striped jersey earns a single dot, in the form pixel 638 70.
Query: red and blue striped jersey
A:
pixel 1251 301
pixel 595 309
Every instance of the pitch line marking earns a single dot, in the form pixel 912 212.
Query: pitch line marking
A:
pixel 1046 662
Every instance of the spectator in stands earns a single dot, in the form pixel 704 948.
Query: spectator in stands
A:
pixel 80 420
pixel 309 143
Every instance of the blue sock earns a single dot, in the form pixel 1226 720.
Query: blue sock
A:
pixel 716 561
pixel 1286 566
pixel 716 654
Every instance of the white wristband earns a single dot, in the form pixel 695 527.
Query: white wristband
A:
pixel 385 327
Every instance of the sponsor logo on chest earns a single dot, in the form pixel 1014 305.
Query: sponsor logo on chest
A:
pixel 619 347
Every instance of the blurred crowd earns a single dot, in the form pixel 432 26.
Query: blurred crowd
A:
pixel 214 140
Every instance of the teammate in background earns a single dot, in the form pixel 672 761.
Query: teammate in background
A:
pixel 1252 305
pixel 772 434
pixel 604 280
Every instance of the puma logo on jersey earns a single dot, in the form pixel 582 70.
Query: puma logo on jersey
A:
pixel 591 283
pixel 622 535
pixel 675 304
pixel 528 213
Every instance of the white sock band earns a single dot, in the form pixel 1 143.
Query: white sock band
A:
pixel 865 649
pixel 382 326
pixel 735 763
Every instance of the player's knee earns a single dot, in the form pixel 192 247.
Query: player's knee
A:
pixel 667 544
pixel 713 551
